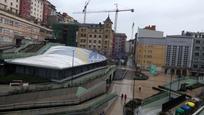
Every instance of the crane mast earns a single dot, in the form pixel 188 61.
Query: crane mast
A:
pixel 84 10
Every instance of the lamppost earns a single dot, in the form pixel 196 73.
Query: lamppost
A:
pixel 133 95
pixel 73 51
pixel 197 75
pixel 171 73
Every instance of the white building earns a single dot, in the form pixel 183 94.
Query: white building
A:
pixel 37 9
pixel 147 33
pixel 10 5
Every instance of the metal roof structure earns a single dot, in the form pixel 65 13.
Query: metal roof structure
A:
pixel 60 57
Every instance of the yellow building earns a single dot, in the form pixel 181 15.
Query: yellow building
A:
pixel 98 37
pixel 150 48
pixel 150 54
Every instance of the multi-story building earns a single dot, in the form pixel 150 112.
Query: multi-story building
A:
pixel 67 18
pixel 97 37
pixel 32 9
pixel 37 9
pixel 119 45
pixel 197 66
pixel 150 50
pixel 12 6
pixel 179 54
pixel 129 47
pixel 47 11
pixel 25 9
pixel 60 18
pixel 65 33
pixel 12 26
pixel 149 32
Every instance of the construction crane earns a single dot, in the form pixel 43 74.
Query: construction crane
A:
pixel 84 10
pixel 109 11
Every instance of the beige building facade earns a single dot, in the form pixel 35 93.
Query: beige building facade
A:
pixel 12 26
pixel 97 37
pixel 37 9
pixel 10 5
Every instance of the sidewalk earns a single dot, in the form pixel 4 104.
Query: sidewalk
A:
pixel 120 87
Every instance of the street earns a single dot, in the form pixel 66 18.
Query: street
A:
pixel 125 86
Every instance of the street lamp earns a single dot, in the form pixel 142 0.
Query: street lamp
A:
pixel 133 95
pixel 171 72
pixel 73 51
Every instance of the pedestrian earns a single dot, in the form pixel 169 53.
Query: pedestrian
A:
pixel 122 96
pixel 125 97
pixel 140 88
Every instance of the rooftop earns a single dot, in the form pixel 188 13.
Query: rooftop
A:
pixel 60 57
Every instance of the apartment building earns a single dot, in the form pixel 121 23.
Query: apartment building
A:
pixel 12 6
pixel 179 54
pixel 119 44
pixel 48 9
pixel 98 37
pixel 37 9
pixel 151 51
pixel 197 66
pixel 25 9
pixel 12 26
pixel 150 48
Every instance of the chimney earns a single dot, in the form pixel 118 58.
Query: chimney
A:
pixel 183 33
pixel 153 27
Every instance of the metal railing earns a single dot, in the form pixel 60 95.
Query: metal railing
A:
pixel 155 98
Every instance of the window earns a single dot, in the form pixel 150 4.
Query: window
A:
pixel 90 36
pixel 1 30
pixel 5 0
pixel 94 36
pixel 94 41
pixel 11 4
pixel 99 41
pixel 197 54
pixel 16 0
pixel 89 41
pixel 197 41
pixel 106 36
pixel 1 20
pixel 197 48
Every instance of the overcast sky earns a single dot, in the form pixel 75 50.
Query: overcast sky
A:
pixel 170 16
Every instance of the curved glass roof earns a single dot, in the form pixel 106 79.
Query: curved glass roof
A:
pixel 60 57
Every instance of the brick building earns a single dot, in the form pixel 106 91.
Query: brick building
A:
pixel 47 11
pixel 25 9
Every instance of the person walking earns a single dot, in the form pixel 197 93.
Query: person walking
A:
pixel 125 97
pixel 122 96
pixel 140 88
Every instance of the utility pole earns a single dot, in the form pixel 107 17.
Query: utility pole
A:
pixel 170 84
pixel 73 51
pixel 133 96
